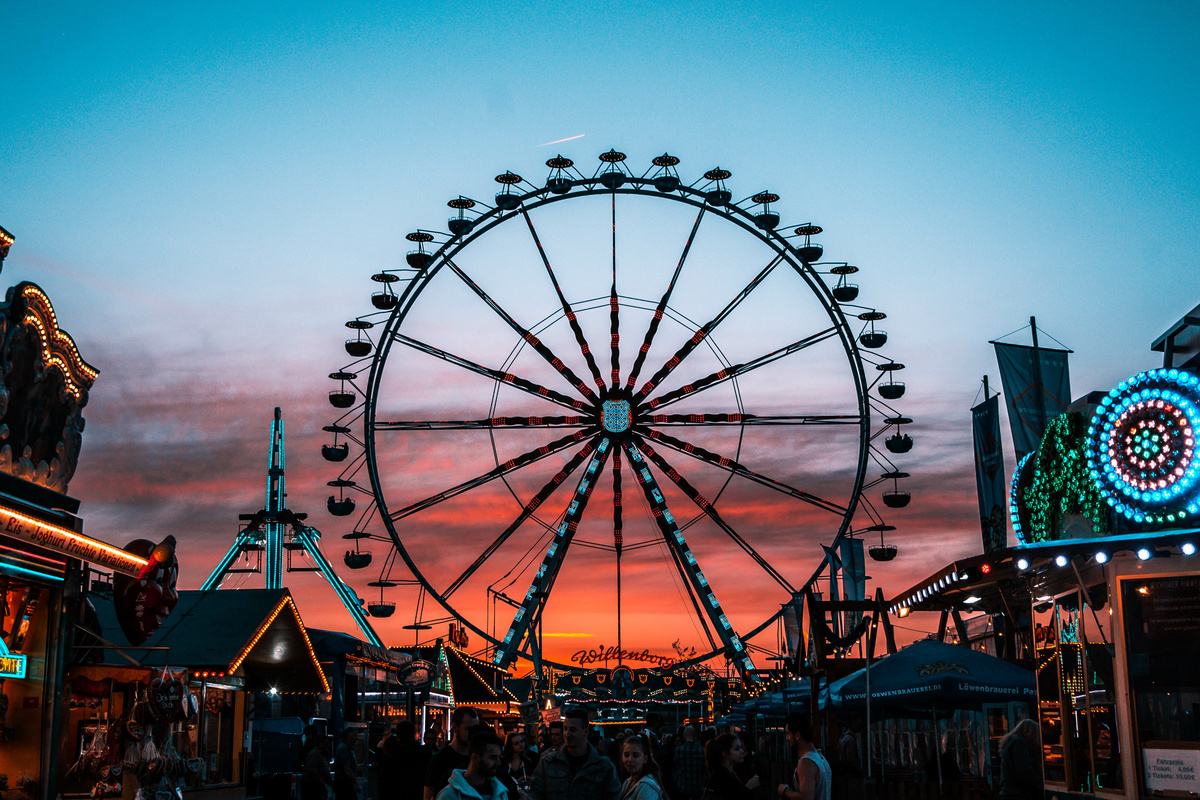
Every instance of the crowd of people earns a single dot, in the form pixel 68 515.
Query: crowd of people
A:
pixel 570 760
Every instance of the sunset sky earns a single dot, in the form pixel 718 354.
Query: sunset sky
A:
pixel 205 191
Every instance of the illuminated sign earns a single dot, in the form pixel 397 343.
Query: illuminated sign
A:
pixel 585 657
pixel 1172 770
pixel 417 674
pixel 69 543
pixel 11 665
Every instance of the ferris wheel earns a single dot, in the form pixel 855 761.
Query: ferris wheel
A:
pixel 618 405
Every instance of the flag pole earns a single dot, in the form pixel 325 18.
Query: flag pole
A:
pixel 1038 388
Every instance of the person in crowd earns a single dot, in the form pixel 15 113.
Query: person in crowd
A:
pixel 308 740
pixel 386 777
pixel 724 755
pixel 314 775
pixel 345 767
pixel 575 771
pixel 454 755
pixel 689 766
pixel 478 780
pixel 1021 763
pixel 849 764
pixel 666 760
pixel 762 766
pixel 516 765
pixel 555 742
pixel 943 767
pixel 407 759
pixel 645 778
pixel 532 747
pixel 812 778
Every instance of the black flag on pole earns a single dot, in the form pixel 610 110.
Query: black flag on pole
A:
pixel 1037 388
pixel 989 474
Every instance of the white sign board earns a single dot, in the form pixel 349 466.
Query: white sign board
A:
pixel 1172 770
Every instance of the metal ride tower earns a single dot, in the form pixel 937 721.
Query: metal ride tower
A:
pixel 266 531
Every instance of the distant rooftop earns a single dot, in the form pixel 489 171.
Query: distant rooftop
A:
pixel 1180 344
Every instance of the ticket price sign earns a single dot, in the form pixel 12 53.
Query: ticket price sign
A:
pixel 1172 770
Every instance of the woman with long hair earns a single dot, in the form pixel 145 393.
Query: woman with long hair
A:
pixel 645 778
pixel 1021 762
pixel 724 755
pixel 516 765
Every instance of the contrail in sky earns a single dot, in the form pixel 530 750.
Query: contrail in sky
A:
pixel 560 141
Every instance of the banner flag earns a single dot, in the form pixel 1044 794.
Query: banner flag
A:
pixel 989 474
pixel 835 565
pixel 1036 390
pixel 793 616
pixel 854 578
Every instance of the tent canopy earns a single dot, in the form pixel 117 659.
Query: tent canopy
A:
pixel 934 672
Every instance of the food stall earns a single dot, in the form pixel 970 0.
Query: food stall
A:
pixel 177 712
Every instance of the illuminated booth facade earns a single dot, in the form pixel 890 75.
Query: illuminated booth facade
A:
pixel 185 701
pixel 1101 595
pixel 44 555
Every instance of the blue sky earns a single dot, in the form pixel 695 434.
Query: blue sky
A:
pixel 205 191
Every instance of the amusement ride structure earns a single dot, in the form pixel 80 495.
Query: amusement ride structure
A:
pixel 275 530
pixel 742 378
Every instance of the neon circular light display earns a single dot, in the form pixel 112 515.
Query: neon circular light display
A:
pixel 1142 447
pixel 1014 491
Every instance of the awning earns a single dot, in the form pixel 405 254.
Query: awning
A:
pixel 253 633
pixel 929 672
pixel 475 682
pixel 336 643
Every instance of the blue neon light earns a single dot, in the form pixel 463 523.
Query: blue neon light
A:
pixel 1013 512
pixel 1142 447
pixel 13 568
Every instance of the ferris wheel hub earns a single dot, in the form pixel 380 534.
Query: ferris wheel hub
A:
pixel 616 416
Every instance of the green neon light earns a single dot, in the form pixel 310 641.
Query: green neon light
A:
pixel 1062 484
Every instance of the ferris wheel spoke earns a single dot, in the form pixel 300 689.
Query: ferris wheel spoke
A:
pixel 662 305
pixel 505 377
pixel 533 341
pixel 695 420
pixel 618 531
pixel 686 561
pixel 570 312
pixel 526 512
pixel 574 421
pixel 729 465
pixel 707 328
pixel 614 308
pixel 729 373
pixel 523 460
pixel 704 505
pixel 547 573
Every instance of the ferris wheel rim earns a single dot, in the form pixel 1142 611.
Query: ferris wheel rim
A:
pixel 586 187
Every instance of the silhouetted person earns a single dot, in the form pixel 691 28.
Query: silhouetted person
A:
pixel 454 755
pixel 1021 763
pixel 812 778
pixel 724 755
pixel 314 773
pixel 689 766
pixel 478 781
pixel 577 771
pixel 408 760
pixel 345 767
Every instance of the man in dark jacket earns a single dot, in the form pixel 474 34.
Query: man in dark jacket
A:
pixel 405 762
pixel 576 771
pixel 689 766
pixel 454 755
